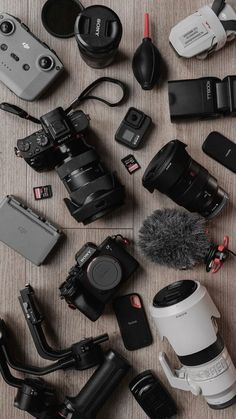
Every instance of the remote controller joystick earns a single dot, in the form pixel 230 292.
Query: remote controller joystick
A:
pixel 46 63
pixel 7 27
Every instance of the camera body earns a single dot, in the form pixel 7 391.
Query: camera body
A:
pixel 97 275
pixel 94 191
pixel 43 149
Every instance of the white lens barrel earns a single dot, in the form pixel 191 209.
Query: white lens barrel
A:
pixel 188 325
pixel 185 315
pixel 216 380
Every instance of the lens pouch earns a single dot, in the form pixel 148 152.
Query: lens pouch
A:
pixel 59 16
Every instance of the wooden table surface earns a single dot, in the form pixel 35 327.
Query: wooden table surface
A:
pixel 18 179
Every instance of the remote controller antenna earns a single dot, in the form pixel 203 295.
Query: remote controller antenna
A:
pixel 147 60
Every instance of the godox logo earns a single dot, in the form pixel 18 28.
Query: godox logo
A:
pixel 208 87
pixel 98 27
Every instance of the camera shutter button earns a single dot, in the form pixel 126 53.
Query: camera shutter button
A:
pixel 104 273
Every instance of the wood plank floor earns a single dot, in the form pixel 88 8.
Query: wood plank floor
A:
pixel 18 179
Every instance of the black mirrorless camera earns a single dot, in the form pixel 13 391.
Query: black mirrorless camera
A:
pixel 60 144
pixel 97 275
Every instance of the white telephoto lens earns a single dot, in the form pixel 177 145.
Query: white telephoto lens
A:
pixel 185 315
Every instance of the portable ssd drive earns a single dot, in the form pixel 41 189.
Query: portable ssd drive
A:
pixel 221 149
pixel 132 320
pixel 25 232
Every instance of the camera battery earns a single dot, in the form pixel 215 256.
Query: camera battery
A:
pixel 42 192
pixel 133 129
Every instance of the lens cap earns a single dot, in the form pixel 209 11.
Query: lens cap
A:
pixel 104 273
pixel 98 29
pixel 59 16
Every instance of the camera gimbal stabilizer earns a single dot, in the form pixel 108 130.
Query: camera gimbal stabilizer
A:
pixel 82 355
pixel 35 397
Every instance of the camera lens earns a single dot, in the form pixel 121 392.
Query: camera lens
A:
pixel 46 63
pixel 94 191
pixel 174 173
pixel 7 27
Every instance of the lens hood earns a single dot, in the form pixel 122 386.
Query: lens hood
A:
pixel 166 167
pixel 173 172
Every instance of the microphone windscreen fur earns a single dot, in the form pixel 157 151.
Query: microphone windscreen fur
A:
pixel 174 238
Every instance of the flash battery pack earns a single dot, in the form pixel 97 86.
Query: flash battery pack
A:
pixel 26 232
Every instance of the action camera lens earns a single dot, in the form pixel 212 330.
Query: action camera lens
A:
pixel 46 63
pixel 7 27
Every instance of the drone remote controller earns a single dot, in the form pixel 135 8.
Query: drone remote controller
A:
pixel 27 65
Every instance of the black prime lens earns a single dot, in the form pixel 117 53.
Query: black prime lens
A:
pixel 174 173
pixel 98 32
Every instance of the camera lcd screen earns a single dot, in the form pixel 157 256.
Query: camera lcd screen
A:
pixel 128 135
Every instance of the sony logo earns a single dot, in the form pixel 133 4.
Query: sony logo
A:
pixel 98 27
pixel 85 257
pixel 208 88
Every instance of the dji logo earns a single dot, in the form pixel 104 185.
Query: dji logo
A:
pixel 25 45
pixel 22 230
pixel 98 27
pixel 208 87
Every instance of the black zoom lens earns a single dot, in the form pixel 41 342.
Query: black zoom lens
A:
pixel 174 173
pixel 94 192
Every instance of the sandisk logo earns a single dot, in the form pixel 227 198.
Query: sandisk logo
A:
pixel 209 93
pixel 98 27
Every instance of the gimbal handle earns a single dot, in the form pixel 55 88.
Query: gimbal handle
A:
pixel 34 321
